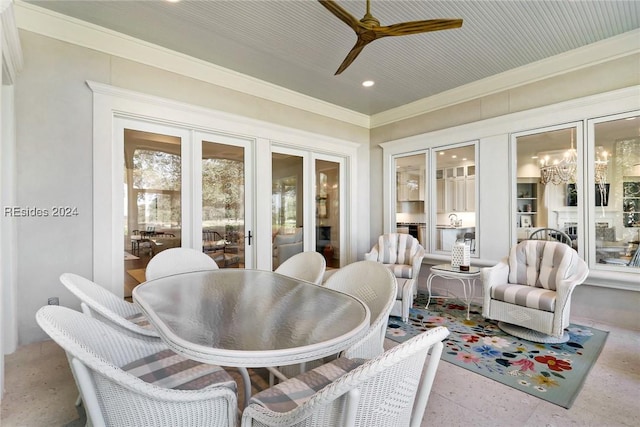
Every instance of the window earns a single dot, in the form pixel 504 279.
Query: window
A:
pixel 547 190
pixel 411 197
pixel 562 186
pixel 614 145
pixel 449 205
pixel 455 194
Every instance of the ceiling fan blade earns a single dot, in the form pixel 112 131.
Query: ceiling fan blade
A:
pixel 355 51
pixel 340 13
pixel 417 27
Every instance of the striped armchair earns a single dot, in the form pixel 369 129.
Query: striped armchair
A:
pixel 529 292
pixel 402 254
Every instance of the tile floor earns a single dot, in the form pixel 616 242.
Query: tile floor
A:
pixel 39 391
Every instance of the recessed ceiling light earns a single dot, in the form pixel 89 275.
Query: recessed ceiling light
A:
pixel 368 83
pixel 454 157
pixel 441 153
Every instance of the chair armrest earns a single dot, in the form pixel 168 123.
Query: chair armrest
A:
pixel 491 276
pixel 416 262
pixel 373 255
pixel 565 287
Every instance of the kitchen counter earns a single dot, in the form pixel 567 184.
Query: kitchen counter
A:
pixel 451 227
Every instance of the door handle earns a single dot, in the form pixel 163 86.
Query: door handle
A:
pixel 248 237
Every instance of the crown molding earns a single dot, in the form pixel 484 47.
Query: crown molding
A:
pixel 61 27
pixel 606 50
pixel 11 49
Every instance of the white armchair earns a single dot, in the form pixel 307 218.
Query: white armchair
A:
pixel 402 254
pixel 529 292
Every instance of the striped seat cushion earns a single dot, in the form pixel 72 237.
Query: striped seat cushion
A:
pixel 295 391
pixel 402 271
pixel 170 370
pixel 140 320
pixel 525 296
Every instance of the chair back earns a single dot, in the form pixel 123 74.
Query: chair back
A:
pixel 374 285
pixel 178 260
pixel 551 234
pixel 397 248
pixel 542 263
pixel 113 397
pixel 401 253
pixel 384 391
pixel 309 266
pixel 99 303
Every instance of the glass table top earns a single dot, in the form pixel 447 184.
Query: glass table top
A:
pixel 235 316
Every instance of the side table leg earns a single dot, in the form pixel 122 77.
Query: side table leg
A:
pixel 467 294
pixel 429 280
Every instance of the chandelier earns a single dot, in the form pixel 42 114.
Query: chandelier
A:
pixel 561 171
pixel 600 167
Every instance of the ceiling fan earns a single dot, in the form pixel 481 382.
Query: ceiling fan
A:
pixel 369 29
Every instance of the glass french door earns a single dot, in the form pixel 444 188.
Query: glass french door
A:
pixel 328 214
pixel 287 206
pixel 183 188
pixel 153 196
pixel 225 233
pixel 306 205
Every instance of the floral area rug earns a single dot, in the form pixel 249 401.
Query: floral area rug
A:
pixel 553 372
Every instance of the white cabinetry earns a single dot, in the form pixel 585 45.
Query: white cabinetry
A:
pixel 459 189
pixel 440 196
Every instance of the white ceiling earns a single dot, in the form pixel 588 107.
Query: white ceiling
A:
pixel 298 44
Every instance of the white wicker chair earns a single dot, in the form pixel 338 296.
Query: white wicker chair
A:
pixel 178 260
pixel 385 391
pixel 529 292
pixel 309 266
pixel 374 285
pixel 114 396
pixel 402 254
pixel 97 302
